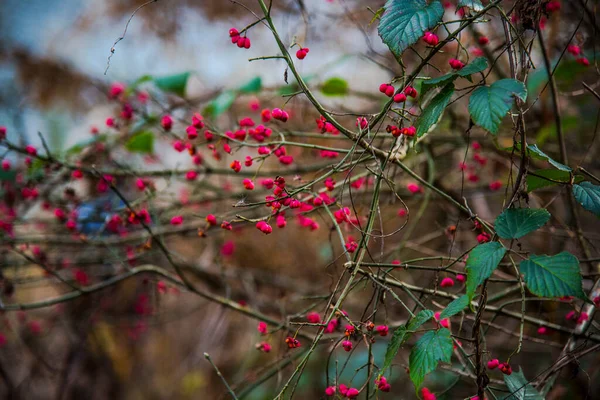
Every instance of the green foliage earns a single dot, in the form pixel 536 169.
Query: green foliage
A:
pixel 543 156
pixel 553 276
pixel 588 195
pixel 514 223
pixel 142 142
pixel 434 111
pixel 478 65
pixel 8 176
pixel 483 260
pixel 78 147
pixel 404 22
pixel 334 87
pixel 252 86
pixel 488 105
pixel 538 182
pixel 401 335
pixel 455 306
pixel 520 388
pixel 173 83
pixel 220 104
pixel 430 349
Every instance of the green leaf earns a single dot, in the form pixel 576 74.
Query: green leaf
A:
pixel 543 156
pixel 434 111
pixel 478 65
pixel 514 223
pixel 142 142
pixel 436 82
pixel 334 87
pixel 553 276
pixel 430 349
pixel 538 182
pixel 482 261
pixel 455 306
pixel 489 104
pixel 173 83
pixel 252 86
pixel 220 104
pixel 401 335
pixel 419 319
pixel 78 147
pixel 588 195
pixel 519 387
pixel 404 22
pixel 474 5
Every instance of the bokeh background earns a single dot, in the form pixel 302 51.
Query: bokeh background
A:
pixel 130 342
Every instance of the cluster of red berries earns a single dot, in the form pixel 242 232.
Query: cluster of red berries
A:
pixel 443 322
pixel 382 384
pixel 387 89
pixel 345 391
pixel 236 38
pixel 579 57
pixel 504 367
pixel 302 52
pixel 292 343
pixel 326 127
pixel 409 131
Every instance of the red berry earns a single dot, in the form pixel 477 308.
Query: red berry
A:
pixel 400 98
pixel 166 122
pixel 447 282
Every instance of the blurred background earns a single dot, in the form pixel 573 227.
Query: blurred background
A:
pixel 145 340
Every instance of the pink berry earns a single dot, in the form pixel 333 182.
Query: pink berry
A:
pixel 177 220
pixel 447 282
pixel 166 122
pixel 493 364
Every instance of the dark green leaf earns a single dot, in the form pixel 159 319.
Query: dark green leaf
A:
pixel 142 142
pixel 436 82
pixel 173 83
pixel 537 182
pixel 588 195
pixel 252 86
pixel 553 276
pixel 334 87
pixel 478 65
pixel 488 105
pixel 520 388
pixel 404 22
pixel 434 111
pixel 220 104
pixel 514 223
pixel 430 349
pixel 419 319
pixel 455 306
pixel 535 150
pixel 401 335
pixel 482 261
